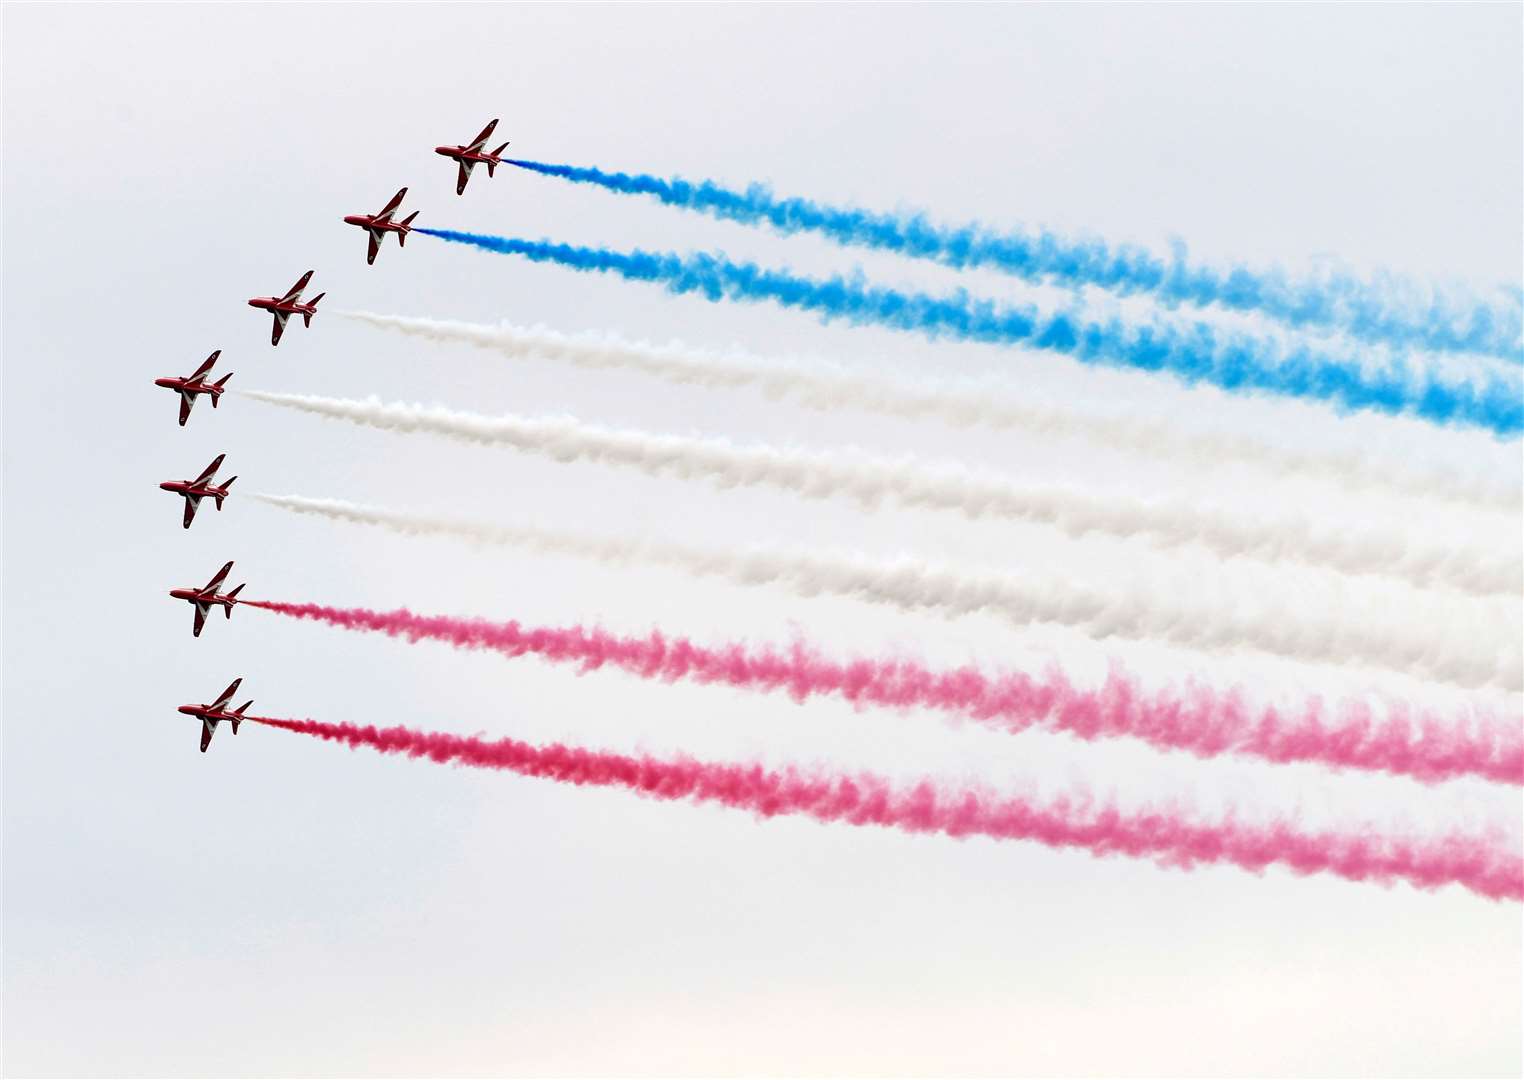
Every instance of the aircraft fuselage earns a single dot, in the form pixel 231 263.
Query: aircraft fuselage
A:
pixel 289 307
pixel 461 153
pixel 188 386
pixel 196 596
pixel 183 487
pixel 206 712
pixel 369 221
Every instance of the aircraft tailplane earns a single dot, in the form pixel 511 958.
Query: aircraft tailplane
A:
pixel 307 315
pixel 225 487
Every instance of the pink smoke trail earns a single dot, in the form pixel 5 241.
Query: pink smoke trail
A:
pixel 1197 719
pixel 1074 821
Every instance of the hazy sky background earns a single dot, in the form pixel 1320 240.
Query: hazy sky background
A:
pixel 283 907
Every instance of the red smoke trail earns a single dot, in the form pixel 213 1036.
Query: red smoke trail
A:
pixel 864 799
pixel 1197 719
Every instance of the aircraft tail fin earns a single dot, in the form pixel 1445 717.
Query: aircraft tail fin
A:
pixel 499 151
pixel 220 384
pixel 237 716
pixel 307 315
pixel 406 224
pixel 219 498
pixel 228 610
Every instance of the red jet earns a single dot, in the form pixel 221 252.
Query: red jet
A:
pixel 205 598
pixel 473 155
pixel 283 307
pixel 218 711
pixel 378 225
pixel 200 488
pixel 195 383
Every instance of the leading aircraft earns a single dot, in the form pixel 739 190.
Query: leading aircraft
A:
pixel 200 488
pixel 283 307
pixel 218 711
pixel 195 383
pixel 208 596
pixel 472 155
pixel 379 224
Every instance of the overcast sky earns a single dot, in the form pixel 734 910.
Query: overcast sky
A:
pixel 283 907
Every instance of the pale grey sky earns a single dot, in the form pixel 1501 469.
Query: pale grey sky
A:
pixel 281 907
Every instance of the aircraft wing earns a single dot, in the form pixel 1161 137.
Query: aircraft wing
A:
pixel 295 291
pixel 206 735
pixel 386 210
pixel 205 367
pixel 481 140
pixel 191 502
pixel 201 610
pixel 279 327
pixel 210 471
pixel 227 695
pixel 465 174
pixel 375 246
pixel 217 580
pixel 186 401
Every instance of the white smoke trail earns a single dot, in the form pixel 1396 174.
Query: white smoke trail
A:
pixel 823 387
pixel 871 480
pixel 1471 652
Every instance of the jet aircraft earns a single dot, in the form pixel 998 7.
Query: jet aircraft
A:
pixel 378 225
pixel 200 488
pixel 218 711
pixel 195 383
pixel 208 596
pixel 283 307
pixel 472 154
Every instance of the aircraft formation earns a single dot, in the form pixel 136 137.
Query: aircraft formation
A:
pixel 1342 630
pixel 377 226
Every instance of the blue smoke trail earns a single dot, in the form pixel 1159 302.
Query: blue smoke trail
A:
pixel 1371 311
pixel 1197 354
